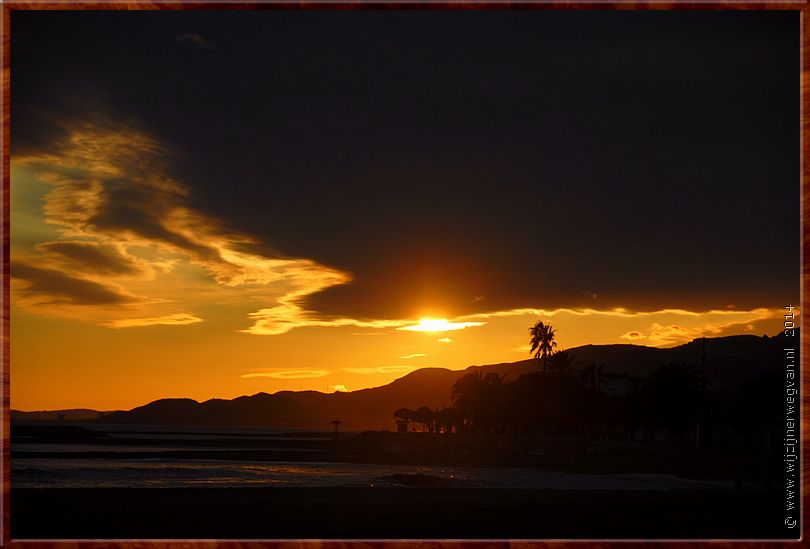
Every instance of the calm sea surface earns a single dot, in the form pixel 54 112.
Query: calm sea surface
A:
pixel 163 473
pixel 72 469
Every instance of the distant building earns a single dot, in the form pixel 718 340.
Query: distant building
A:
pixel 402 425
pixel 335 425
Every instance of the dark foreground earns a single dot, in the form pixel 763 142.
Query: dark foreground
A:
pixel 391 513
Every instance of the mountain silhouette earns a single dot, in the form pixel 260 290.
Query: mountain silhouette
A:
pixel 73 414
pixel 729 362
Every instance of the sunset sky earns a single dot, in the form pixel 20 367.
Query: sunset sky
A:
pixel 216 204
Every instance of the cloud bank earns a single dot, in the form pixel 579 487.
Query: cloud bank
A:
pixel 131 251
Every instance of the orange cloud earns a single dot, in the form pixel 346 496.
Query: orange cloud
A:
pixel 395 369
pixel 131 251
pixel 177 319
pixel 616 312
pixel 667 327
pixel 45 287
pixel 672 334
pixel 288 315
pixel 289 374
pixel 380 370
pixel 130 242
pixel 83 256
pixel 438 325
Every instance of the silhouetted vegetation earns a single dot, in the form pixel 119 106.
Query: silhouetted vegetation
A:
pixel 670 399
pixel 542 342
pixel 567 397
pixel 551 402
pixel 592 376
pixel 428 420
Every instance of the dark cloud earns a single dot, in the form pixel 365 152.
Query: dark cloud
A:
pixel 92 257
pixel 142 211
pixel 648 157
pixel 40 131
pixel 194 40
pixel 53 287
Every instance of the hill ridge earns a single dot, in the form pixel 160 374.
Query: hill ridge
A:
pixel 730 361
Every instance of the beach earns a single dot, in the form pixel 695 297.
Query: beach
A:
pixel 389 513
pixel 147 482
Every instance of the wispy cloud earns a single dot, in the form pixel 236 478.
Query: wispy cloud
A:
pixel 41 287
pixel 394 369
pixel 288 315
pixel 438 325
pixel 360 370
pixel 549 313
pixel 131 251
pixel 414 355
pixel 289 374
pixel 129 240
pixel 177 319
pixel 379 370
pixel 615 312
pixel 665 327
pixel 86 256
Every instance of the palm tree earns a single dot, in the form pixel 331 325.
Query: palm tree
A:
pixel 479 399
pixel 542 342
pixel 425 416
pixel 406 415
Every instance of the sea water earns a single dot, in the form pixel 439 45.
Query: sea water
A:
pixel 73 469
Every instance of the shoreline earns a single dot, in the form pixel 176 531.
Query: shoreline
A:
pixel 643 459
pixel 579 465
pixel 547 453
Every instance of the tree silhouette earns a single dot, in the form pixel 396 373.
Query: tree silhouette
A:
pixel 542 342
pixel 546 402
pixel 405 414
pixel 425 416
pixel 479 399
pixel 562 362
pixel 671 397
pixel 592 375
pixel 448 419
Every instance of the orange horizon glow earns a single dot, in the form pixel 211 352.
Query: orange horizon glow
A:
pixel 103 368
pixel 112 318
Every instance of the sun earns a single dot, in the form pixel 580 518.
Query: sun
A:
pixel 432 325
pixel 438 325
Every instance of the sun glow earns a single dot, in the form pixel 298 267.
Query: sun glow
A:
pixel 438 325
